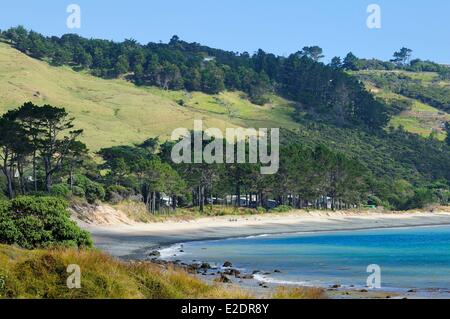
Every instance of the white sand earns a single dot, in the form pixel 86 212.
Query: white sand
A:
pixel 134 240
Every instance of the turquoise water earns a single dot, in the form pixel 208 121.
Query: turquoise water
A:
pixel 409 258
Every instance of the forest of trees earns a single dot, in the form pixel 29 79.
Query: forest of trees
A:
pixel 317 88
pixel 41 154
pixel 401 61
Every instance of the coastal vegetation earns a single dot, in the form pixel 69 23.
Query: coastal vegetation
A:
pixel 338 150
pixel 346 142
pixel 46 157
pixel 42 274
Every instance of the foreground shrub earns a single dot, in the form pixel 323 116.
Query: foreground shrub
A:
pixel 33 222
pixel 298 293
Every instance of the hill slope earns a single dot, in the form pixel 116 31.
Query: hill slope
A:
pixel 116 112
pixel 408 88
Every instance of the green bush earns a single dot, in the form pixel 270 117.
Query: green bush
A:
pixel 117 193
pixel 34 222
pixel 78 191
pixel 61 190
pixel 282 209
pixel 422 197
pixel 93 190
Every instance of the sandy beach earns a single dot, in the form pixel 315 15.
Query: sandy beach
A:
pixel 130 240
pixel 121 237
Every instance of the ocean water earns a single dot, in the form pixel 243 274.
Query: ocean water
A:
pixel 413 258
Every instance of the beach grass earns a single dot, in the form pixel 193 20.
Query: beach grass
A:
pixel 137 212
pixel 41 274
pixel 298 293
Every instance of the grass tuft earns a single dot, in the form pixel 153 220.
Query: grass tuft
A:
pixel 41 274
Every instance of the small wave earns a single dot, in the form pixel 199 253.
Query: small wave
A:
pixel 269 280
pixel 171 251
pixel 257 236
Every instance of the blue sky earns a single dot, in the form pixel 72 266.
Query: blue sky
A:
pixel 281 26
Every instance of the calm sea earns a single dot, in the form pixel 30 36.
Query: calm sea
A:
pixel 408 258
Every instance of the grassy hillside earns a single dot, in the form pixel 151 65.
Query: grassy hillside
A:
pixel 116 112
pixel 421 118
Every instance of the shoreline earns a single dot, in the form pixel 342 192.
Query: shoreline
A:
pixel 138 241
pixel 134 241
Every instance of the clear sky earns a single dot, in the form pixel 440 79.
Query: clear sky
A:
pixel 277 26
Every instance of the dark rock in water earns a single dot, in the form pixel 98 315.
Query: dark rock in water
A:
pixel 232 272
pixel 276 271
pixel 246 277
pixel 224 279
pixel 412 291
pixel 256 272
pixel 205 266
pixel 336 286
pixel 155 253
pixel 227 264
pixel 181 251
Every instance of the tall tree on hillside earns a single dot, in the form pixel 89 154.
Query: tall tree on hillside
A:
pixel 402 57
pixel 314 52
pixel 447 129
pixel 213 79
pixel 76 157
pixel 336 62
pixel 29 117
pixel 57 140
pixel 350 62
pixel 13 146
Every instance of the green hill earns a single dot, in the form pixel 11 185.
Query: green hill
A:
pixel 424 94
pixel 116 112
